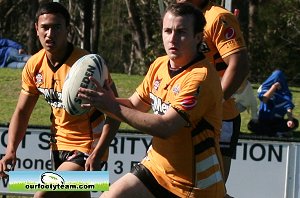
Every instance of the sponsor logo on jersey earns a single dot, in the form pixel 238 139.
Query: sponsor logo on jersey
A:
pixel 189 102
pixel 158 106
pixel 52 97
pixel 229 33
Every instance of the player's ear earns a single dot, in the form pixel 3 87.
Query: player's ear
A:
pixel 36 29
pixel 199 37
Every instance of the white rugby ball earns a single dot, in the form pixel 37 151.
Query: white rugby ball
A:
pixel 78 76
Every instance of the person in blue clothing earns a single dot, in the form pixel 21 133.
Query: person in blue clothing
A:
pixel 275 114
pixel 12 54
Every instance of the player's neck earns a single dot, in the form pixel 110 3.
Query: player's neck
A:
pixel 57 58
pixel 54 61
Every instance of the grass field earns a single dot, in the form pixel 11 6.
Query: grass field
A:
pixel 10 83
pixel 10 86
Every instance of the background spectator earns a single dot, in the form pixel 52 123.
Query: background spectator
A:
pixel 275 104
pixel 12 54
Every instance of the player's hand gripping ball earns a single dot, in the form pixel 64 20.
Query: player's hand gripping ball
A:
pixel 78 76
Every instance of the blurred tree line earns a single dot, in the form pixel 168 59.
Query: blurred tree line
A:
pixel 127 32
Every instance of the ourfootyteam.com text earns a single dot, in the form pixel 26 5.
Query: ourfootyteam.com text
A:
pixel 60 187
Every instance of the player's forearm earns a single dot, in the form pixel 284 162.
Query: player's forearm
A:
pixel 151 124
pixel 125 101
pixel 16 131
pixel 231 82
pixel 235 74
pixel 19 121
pixel 109 131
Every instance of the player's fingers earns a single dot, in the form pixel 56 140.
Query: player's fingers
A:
pixel 1 172
pixel 95 83
pixel 107 84
pixel 84 90
pixel 5 165
pixel 86 167
pixel 85 93
pixel 11 166
pixel 89 92
pixel 3 168
pixel 3 175
pixel 86 106
pixel 89 95
pixel 82 95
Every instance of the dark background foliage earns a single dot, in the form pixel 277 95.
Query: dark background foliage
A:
pixel 127 32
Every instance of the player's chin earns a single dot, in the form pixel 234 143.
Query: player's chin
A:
pixel 50 48
pixel 173 56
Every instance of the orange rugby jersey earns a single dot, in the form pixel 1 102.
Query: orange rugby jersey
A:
pixel 70 132
pixel 187 163
pixel 222 37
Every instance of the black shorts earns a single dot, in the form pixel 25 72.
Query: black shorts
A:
pixel 77 157
pixel 229 136
pixel 141 172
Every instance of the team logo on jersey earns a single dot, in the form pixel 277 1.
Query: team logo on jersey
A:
pixel 39 78
pixel 229 33
pixel 156 83
pixel 176 89
pixel 189 102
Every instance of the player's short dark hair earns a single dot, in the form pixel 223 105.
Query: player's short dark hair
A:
pixel 181 9
pixel 53 8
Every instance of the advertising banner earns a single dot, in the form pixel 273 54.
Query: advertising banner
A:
pixel 260 169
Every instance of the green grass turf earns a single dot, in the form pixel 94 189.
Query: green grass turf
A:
pixel 10 83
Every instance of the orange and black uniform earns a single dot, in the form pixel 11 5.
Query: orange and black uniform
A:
pixel 188 163
pixel 223 37
pixel 70 133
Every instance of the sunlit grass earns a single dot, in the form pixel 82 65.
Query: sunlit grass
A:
pixel 10 86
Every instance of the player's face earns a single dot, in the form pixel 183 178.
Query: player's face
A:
pixel 52 32
pixel 179 39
